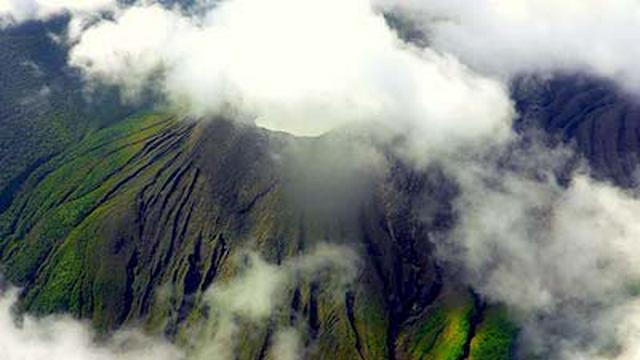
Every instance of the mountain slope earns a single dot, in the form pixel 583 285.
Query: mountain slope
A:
pixel 597 116
pixel 43 107
pixel 157 202
pixel 139 220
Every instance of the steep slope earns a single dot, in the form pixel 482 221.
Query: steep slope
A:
pixel 597 116
pixel 140 219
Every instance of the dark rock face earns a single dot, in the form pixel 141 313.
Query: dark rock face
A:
pixel 602 120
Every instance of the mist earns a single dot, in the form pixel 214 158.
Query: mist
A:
pixel 259 290
pixel 64 338
pixel 537 233
pixel 255 293
pixel 287 345
pixel 277 64
pixel 506 38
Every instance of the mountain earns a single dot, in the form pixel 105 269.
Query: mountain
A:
pixel 159 201
pixel 130 217
pixel 43 107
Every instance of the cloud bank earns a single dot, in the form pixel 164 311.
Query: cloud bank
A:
pixel 63 338
pixel 279 63
pixel 563 257
pixel 510 37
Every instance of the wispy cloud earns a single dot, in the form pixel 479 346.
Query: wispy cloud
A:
pixel 562 256
pixel 507 37
pixel 261 289
pixel 64 338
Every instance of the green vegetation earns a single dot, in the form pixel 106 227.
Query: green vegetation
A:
pixel 43 110
pixel 494 336
pixel 443 331
pixel 137 220
pixel 56 226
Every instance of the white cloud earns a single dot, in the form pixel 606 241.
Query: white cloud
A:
pixel 564 258
pixel 260 289
pixel 286 345
pixel 506 37
pixel 301 66
pixel 63 338
pixel 621 322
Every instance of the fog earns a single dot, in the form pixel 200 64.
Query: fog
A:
pixel 64 338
